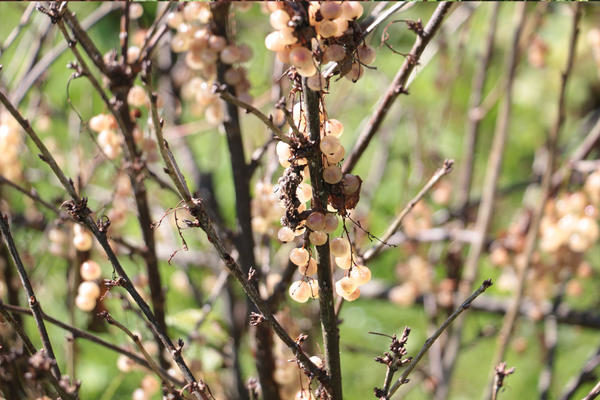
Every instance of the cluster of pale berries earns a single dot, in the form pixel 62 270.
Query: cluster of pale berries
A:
pixel 89 290
pixel 203 50
pixel 10 142
pixel 149 386
pixel 331 21
pixel 570 220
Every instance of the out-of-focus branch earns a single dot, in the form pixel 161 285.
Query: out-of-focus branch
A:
pixel 486 208
pixel 546 189
pixel 586 374
pixel 32 194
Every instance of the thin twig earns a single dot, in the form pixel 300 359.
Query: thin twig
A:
pixel 486 208
pixel 78 333
pixel 429 342
pixel 397 87
pixel 444 170
pixel 595 392
pixel 29 347
pixel 546 189
pixel 586 374
pixel 32 194
pixel 34 305
pixel 23 22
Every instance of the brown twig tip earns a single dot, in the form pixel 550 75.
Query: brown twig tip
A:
pixel 487 283
pixel 501 373
pixel 448 164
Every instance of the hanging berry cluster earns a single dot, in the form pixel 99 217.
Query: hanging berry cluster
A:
pixel 308 36
pixel 203 49
pixel 89 290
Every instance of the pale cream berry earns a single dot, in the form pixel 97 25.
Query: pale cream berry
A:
pixel 99 122
pixel 133 52
pixel 332 174
pixel 326 28
pixel 352 9
pixel 350 184
pixel 329 145
pixel 287 36
pixel 345 286
pixel 307 71
pixel 180 43
pixel 299 256
pixel 592 187
pixel 366 54
pixel 285 234
pixel 317 238
pixel 310 268
pixel 82 241
pixel 284 153
pixel 150 384
pixel 279 19
pixel 284 56
pixel 275 42
pixel 174 19
pixel 137 97
pixel 301 57
pixel 124 363
pixel 245 52
pixel 337 156
pixel 335 53
pixel 340 247
pixel 352 296
pixel 342 25
pixel 85 303
pixel 89 289
pixel 330 9
pixel 344 262
pixel 215 113
pixel 578 242
pixel 259 225
pixel 135 10
pixel 230 54
pixel 588 227
pixel 300 291
pixel 139 394
pixel 56 235
pixel 333 127
pixel 90 270
pixel 304 192
pixel 331 223
pixel 217 43
pixel 316 221
pixel 360 274
pixel 314 288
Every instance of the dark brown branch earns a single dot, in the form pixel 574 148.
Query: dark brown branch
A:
pixel 78 333
pixel 397 87
pixel 585 375
pixel 32 194
pixel 329 324
pixel 34 305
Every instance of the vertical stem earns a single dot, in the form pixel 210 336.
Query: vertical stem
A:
pixel 265 362
pixel 329 325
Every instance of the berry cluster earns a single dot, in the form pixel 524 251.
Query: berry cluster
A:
pixel 149 386
pixel 88 291
pixel 332 24
pixel 203 49
pixel 10 142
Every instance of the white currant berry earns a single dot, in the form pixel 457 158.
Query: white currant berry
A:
pixel 89 289
pixel 345 286
pixel 334 52
pixel 139 394
pixel 350 183
pixel 150 384
pixel 304 192
pixel 83 241
pixel 314 288
pixel 299 256
pixel 352 9
pixel 318 238
pixel 135 10
pixel 301 57
pixel 366 54
pixel 230 54
pixel 344 262
pixel 355 72
pixel 329 145
pixel 331 223
pixel 85 303
pixel 285 234
pixel 90 270
pixel 316 83
pixel 279 19
pixel 360 274
pixel 330 9
pixel 352 296
pixel 300 291
pixel 332 174
pixel 274 41
pixel 316 221
pixel 217 43
pixel 340 247
pixel 310 268
pixel 326 28
pixel 333 127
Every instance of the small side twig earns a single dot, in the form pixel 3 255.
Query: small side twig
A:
pixel 439 174
pixel 501 372
pixel 429 342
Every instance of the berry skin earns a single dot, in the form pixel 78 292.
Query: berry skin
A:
pixel 352 296
pixel 299 256
pixel 345 286
pixel 300 291
pixel 309 268
pixel 332 174
pixel 279 19
pixel 340 247
pixel 331 223
pixel 301 57
pixel 318 238
pixel 316 221
pixel 331 9
pixel 285 234
pixel 344 262
pixel 85 303
pixel 333 127
pixel 329 145
pixel 360 274
pixel 366 54
pixel 90 270
pixel 350 183
pixel 89 289
pixel 82 241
